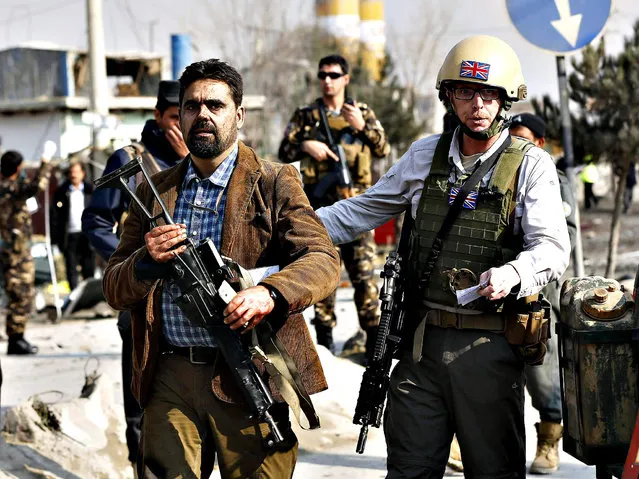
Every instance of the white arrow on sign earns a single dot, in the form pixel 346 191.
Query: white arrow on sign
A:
pixel 567 25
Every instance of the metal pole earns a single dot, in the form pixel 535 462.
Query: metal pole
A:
pixel 577 252
pixel 97 68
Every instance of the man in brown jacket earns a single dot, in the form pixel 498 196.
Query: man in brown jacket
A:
pixel 256 213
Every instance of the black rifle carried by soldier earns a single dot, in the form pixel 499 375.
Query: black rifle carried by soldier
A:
pixel 372 392
pixel 340 174
pixel 207 283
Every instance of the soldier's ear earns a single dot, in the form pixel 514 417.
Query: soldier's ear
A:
pixel 347 79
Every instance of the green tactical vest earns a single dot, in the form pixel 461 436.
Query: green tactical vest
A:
pixel 478 240
pixel 358 154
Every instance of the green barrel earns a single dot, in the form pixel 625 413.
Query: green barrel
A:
pixel 599 367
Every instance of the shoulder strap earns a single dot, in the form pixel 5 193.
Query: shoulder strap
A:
pixel 506 170
pixel 440 165
pixel 456 207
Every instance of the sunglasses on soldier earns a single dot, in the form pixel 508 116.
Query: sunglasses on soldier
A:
pixel 331 75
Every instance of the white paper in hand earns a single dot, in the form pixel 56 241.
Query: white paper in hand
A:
pixel 468 295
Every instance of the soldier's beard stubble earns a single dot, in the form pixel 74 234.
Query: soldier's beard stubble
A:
pixel 207 147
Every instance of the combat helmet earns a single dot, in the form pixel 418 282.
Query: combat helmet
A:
pixel 484 60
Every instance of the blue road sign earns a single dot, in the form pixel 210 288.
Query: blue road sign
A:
pixel 561 26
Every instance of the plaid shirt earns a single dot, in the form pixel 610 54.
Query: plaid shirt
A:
pixel 210 195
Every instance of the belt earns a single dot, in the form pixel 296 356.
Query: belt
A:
pixel 485 321
pixel 195 354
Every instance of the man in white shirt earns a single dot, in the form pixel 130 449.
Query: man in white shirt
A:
pixel 69 201
pixel 462 369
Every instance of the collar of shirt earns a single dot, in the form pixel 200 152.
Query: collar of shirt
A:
pixel 454 155
pixel 72 187
pixel 220 176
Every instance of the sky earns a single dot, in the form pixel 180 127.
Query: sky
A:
pixel 132 25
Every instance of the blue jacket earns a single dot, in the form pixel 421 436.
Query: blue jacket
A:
pixel 107 205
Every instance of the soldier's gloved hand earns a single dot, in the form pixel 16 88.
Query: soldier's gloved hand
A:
pixel 318 150
pixel 499 282
pixel 353 115
pixel 248 308
pixel 161 240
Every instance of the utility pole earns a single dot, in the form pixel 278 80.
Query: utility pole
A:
pixel 577 252
pixel 97 68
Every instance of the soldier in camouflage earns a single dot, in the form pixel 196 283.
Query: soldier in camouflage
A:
pixel 15 236
pixel 353 126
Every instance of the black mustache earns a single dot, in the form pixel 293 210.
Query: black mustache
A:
pixel 204 126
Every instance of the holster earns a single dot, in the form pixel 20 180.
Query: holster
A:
pixel 528 328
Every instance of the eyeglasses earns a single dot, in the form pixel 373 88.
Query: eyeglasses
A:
pixel 331 75
pixel 466 93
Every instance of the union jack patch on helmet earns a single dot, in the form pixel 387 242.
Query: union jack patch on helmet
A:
pixel 471 69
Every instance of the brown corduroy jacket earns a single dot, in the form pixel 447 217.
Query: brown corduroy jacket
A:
pixel 267 221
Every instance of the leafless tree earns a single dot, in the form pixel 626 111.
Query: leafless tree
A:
pixel 416 46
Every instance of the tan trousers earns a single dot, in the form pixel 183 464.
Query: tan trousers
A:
pixel 185 426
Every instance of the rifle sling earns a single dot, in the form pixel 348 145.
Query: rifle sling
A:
pixel 456 208
pixel 280 366
pixel 324 122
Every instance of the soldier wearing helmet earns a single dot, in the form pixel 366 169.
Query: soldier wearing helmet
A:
pixel 487 218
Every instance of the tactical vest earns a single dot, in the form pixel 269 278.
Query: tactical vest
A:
pixel 358 154
pixel 479 239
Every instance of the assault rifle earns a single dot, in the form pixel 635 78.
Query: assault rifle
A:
pixel 204 280
pixel 372 392
pixel 341 175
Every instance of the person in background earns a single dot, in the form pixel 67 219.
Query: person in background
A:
pixel 631 181
pixel 543 381
pixel 355 127
pixel 161 147
pixel 16 230
pixel 69 201
pixel 589 176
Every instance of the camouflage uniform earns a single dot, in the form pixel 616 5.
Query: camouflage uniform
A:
pixel 15 235
pixel 360 149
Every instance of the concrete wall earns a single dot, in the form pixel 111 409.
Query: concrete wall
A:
pixel 27 132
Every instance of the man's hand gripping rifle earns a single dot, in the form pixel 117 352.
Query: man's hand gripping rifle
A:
pixel 372 392
pixel 204 281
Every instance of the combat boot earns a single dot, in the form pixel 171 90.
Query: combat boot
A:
pixel 325 337
pixel 547 457
pixel 19 345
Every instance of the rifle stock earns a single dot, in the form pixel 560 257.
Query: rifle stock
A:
pixel 376 378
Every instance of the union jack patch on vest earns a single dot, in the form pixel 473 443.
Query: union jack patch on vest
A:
pixel 470 203
pixel 471 69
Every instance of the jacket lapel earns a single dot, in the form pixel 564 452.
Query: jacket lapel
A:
pixel 238 196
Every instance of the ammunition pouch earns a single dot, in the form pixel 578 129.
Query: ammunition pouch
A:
pixel 528 329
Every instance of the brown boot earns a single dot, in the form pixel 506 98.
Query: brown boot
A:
pixel 547 457
pixel 454 458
